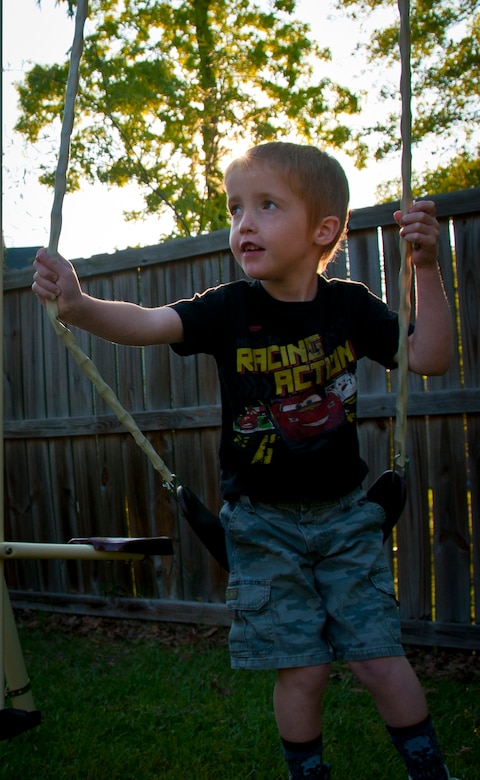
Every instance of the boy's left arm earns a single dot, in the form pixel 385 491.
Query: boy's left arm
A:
pixel 430 346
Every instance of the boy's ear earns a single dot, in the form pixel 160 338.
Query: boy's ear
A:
pixel 326 231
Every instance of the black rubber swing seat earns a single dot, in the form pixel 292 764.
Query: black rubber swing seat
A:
pixel 14 722
pixel 206 525
pixel 390 491
pixel 141 545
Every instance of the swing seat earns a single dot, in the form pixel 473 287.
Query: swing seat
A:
pixel 14 722
pixel 206 525
pixel 143 545
pixel 390 491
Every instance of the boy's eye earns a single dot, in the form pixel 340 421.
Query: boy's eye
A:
pixel 269 204
pixel 233 210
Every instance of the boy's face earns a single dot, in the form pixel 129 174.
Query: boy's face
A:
pixel 269 235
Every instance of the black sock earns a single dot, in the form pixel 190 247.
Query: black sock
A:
pixel 420 751
pixel 304 759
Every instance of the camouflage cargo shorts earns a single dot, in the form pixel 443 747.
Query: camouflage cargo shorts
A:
pixel 309 583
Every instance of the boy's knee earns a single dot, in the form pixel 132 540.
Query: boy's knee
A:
pixel 376 670
pixel 305 678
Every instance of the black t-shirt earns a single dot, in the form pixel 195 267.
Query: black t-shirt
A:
pixel 288 382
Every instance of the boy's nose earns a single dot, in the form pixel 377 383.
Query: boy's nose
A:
pixel 246 222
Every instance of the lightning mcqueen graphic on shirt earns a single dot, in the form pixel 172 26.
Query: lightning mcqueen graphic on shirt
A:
pixel 307 414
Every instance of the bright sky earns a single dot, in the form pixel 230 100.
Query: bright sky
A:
pixel 93 220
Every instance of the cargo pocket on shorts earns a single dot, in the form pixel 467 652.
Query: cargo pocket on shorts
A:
pixel 381 579
pixel 251 633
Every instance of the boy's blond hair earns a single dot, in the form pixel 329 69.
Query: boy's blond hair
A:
pixel 314 176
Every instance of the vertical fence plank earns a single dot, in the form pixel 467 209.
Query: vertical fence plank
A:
pixel 19 524
pixel 41 398
pixel 84 465
pixel 374 435
pixel 467 242
pixel 158 379
pixel 163 509
pixel 17 508
pixel 473 443
pixel 449 476
pixel 413 533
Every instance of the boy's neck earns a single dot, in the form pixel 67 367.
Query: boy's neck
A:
pixel 300 292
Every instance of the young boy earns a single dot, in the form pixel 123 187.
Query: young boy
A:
pixel 309 582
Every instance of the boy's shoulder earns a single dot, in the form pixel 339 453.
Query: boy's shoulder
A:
pixel 225 290
pixel 234 287
pixel 346 289
pixel 335 282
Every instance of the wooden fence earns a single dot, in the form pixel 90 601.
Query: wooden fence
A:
pixel 71 469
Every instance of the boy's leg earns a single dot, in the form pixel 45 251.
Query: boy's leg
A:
pixel 401 703
pixel 395 688
pixel 298 710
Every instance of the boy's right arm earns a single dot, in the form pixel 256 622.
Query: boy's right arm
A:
pixel 117 321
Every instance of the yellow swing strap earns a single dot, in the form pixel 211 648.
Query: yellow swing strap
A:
pixel 389 490
pixel 85 363
pixel 405 274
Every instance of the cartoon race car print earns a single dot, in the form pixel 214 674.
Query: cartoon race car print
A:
pixel 308 414
pixel 254 418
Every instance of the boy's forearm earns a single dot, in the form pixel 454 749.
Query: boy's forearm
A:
pixel 120 322
pixel 430 347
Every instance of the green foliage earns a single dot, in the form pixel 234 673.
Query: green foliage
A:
pixel 168 90
pixel 462 172
pixel 71 5
pixel 445 53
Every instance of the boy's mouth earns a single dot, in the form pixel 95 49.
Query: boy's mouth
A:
pixel 247 246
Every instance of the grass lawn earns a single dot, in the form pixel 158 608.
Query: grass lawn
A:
pixel 123 700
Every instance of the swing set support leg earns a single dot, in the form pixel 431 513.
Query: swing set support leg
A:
pixel 22 715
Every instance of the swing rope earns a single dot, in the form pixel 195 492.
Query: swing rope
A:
pixel 405 273
pixel 85 363
pixel 390 490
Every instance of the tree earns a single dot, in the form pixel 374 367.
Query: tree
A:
pixel 445 48
pixel 169 88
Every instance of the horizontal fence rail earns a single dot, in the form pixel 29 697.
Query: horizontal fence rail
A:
pixel 71 470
